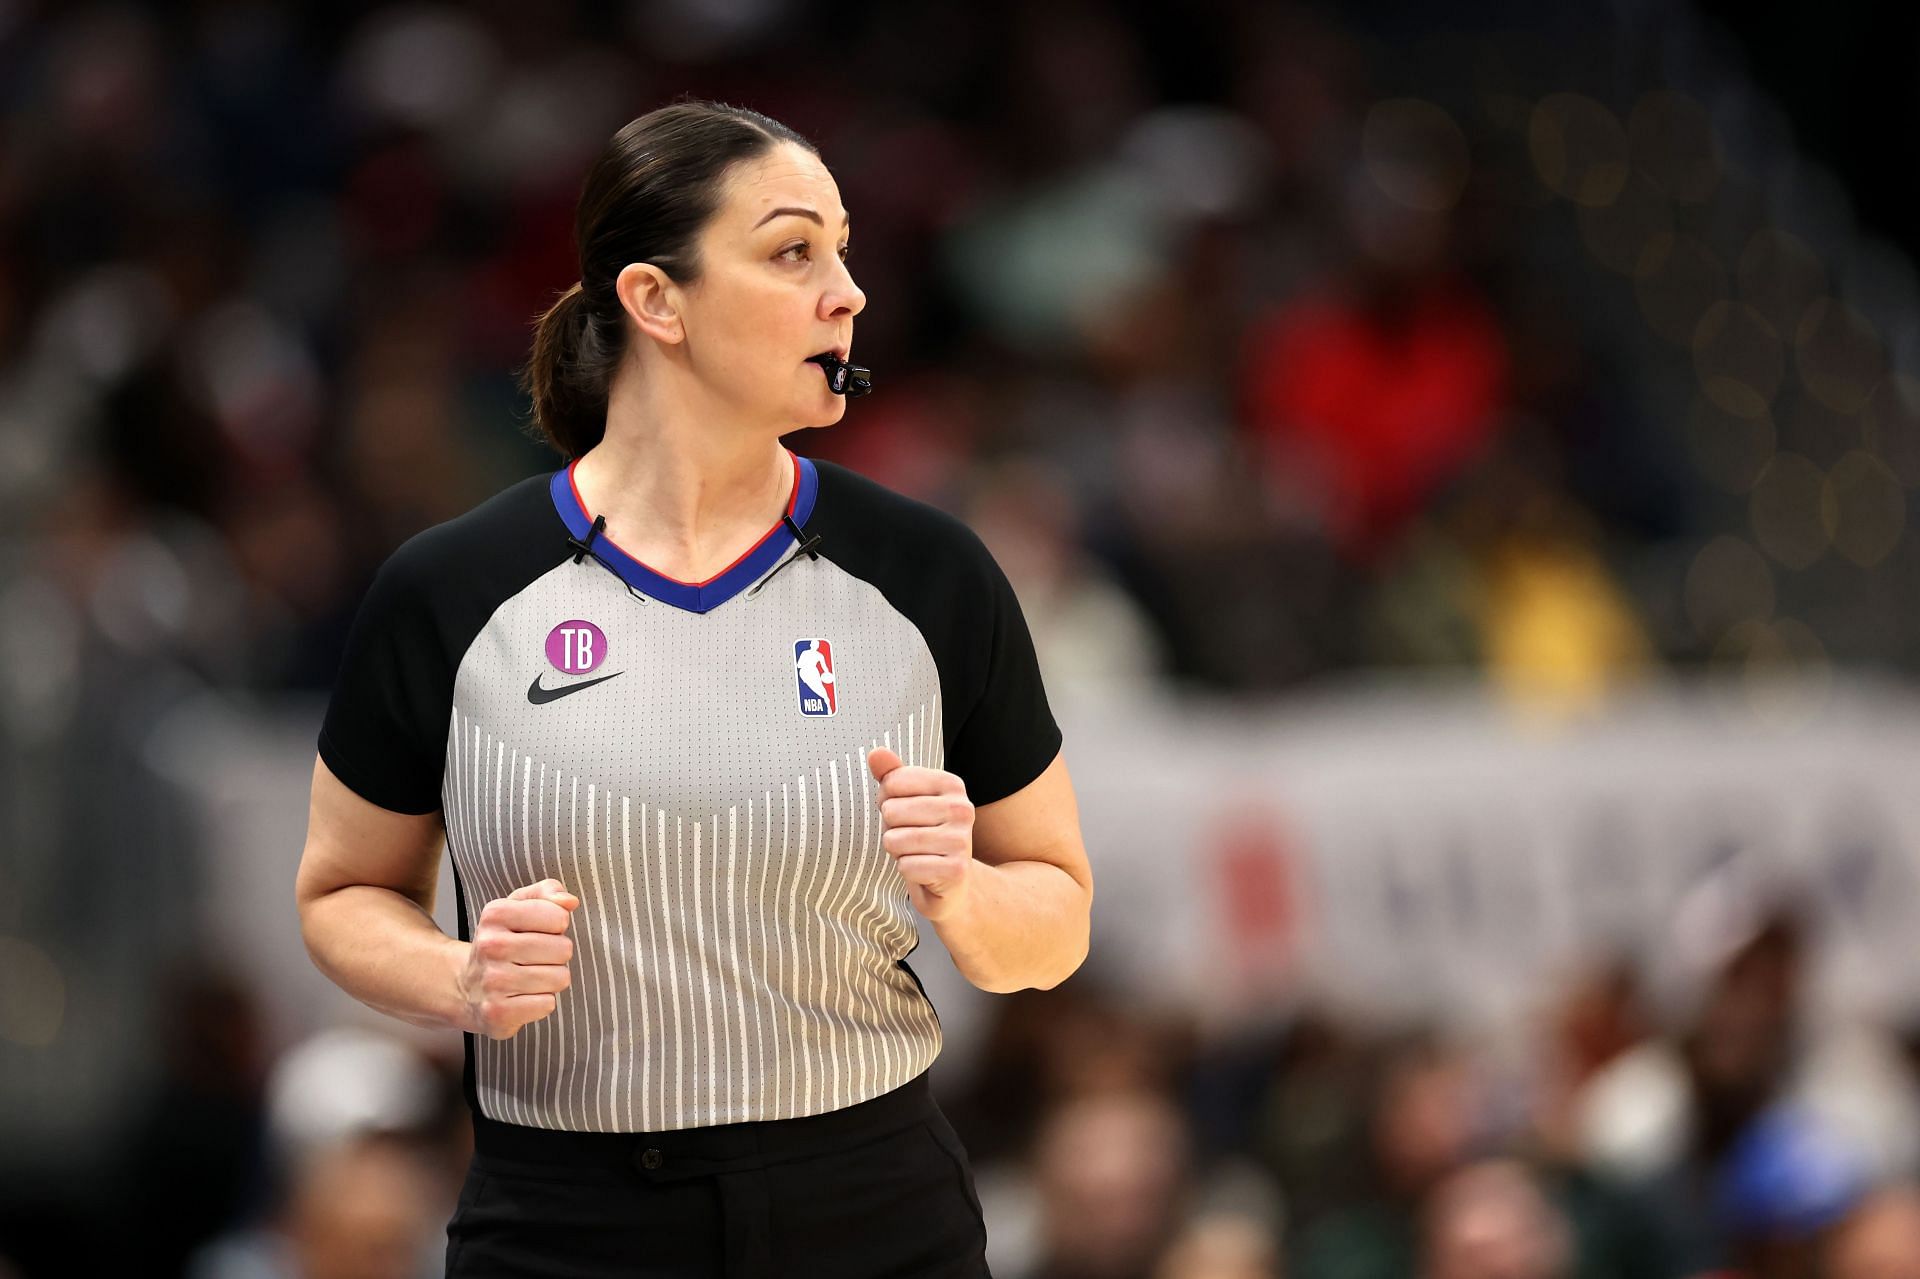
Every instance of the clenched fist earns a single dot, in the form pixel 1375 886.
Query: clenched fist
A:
pixel 517 962
pixel 927 826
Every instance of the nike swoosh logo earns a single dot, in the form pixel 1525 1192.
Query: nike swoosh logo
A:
pixel 541 696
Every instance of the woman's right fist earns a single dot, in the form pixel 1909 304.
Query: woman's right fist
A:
pixel 517 961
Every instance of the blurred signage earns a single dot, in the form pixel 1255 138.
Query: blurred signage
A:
pixel 1421 851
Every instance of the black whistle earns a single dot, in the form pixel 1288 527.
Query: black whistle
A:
pixel 850 380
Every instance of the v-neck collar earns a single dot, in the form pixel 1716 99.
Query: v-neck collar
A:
pixel 694 597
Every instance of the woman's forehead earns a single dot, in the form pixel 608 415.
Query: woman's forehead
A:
pixel 787 177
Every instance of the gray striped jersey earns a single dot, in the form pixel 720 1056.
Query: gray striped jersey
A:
pixel 691 761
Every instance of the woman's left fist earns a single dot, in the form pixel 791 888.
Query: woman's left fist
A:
pixel 926 824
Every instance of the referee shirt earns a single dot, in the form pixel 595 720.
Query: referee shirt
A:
pixel 690 759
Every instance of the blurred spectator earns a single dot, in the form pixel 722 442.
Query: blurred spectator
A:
pixel 1423 1123
pixel 1367 394
pixel 198 1155
pixel 1759 1122
pixel 348 1080
pixel 1048 1047
pixel 366 1168
pixel 1221 1246
pixel 1600 1016
pixel 1784 1183
pixel 1090 636
pixel 1109 1172
pixel 1490 1221
pixel 1880 1238
pixel 1309 1124
pixel 361 1207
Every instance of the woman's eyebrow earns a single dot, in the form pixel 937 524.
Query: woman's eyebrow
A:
pixel 804 213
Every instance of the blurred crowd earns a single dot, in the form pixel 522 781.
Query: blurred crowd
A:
pixel 1261 342
pixel 1735 1135
pixel 1264 343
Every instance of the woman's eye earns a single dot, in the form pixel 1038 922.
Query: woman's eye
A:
pixel 846 251
pixel 800 249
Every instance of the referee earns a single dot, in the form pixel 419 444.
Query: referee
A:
pixel 707 728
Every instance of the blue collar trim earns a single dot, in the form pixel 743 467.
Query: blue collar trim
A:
pixel 694 597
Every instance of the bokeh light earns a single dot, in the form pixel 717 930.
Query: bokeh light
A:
pixel 1785 672
pixel 1863 508
pixel 1839 356
pixel 1678 280
pixel 1780 276
pixel 33 994
pixel 1738 358
pixel 1731 449
pixel 1890 425
pixel 1673 142
pixel 1579 149
pixel 1618 233
pixel 1729 582
pixel 1785 510
pixel 1415 153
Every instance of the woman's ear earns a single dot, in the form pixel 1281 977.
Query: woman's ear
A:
pixel 652 300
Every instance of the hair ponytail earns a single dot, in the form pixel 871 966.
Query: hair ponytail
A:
pixel 646 199
pixel 569 374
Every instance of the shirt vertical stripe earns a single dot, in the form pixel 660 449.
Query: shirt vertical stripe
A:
pixel 874 857
pixel 492 1064
pixel 576 1012
pixel 698 955
pixel 825 1004
pixel 850 964
pixel 560 1024
pixel 800 856
pixel 489 879
pixel 549 1026
pixel 524 1041
pixel 891 897
pixel 719 1068
pixel 630 956
pixel 786 1010
pixel 673 981
pixel 740 996
pixel 751 1107
pixel 863 973
pixel 604 906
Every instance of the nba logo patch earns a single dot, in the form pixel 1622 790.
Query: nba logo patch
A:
pixel 813 667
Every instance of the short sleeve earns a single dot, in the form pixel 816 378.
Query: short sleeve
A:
pixel 1008 735
pixel 385 731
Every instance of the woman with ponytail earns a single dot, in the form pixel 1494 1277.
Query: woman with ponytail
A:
pixel 709 730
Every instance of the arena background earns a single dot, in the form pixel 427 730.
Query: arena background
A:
pixel 1456 462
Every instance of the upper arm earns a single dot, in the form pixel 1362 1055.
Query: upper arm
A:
pixel 353 841
pixel 1039 822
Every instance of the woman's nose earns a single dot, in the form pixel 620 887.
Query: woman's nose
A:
pixel 844 295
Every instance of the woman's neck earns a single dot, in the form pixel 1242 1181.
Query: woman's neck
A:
pixel 683 492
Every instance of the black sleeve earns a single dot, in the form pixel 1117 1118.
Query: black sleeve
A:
pixel 385 732
pixel 1007 736
pixel 998 729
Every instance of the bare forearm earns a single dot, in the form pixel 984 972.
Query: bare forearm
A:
pixel 1025 923
pixel 385 950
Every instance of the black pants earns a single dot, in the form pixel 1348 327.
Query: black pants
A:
pixel 877 1190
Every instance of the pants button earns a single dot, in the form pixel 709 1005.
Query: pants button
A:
pixel 651 1158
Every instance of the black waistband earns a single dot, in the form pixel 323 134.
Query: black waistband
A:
pixel 683 1152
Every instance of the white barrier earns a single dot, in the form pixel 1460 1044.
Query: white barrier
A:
pixel 1407 850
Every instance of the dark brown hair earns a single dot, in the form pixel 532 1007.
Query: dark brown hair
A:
pixel 646 199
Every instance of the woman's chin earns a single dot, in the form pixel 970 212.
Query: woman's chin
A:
pixel 822 414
